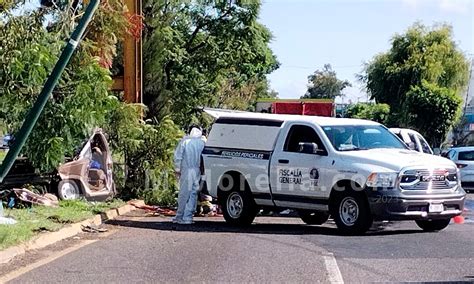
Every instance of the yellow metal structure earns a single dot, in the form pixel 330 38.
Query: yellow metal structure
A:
pixel 131 82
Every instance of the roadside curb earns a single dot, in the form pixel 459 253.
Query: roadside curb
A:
pixel 68 231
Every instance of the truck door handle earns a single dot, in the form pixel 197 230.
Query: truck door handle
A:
pixel 283 161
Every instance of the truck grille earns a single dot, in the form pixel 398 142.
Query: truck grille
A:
pixel 425 179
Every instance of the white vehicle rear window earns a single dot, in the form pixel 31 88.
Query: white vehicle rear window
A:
pixel 466 156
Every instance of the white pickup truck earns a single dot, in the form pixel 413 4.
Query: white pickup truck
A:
pixel 357 171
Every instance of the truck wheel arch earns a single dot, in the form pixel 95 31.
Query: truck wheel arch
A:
pixel 228 182
pixel 345 184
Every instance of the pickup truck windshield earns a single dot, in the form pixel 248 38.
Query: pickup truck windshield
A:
pixel 361 137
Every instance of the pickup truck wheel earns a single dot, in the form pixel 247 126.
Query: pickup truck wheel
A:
pixel 239 208
pixel 433 225
pixel 313 218
pixel 351 213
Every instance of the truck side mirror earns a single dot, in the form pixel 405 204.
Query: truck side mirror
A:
pixel 437 151
pixel 308 148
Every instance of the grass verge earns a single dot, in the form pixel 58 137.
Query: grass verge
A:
pixel 37 219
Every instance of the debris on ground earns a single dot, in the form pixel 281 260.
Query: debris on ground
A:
pixel 155 210
pixel 93 229
pixel 169 212
pixel 28 196
pixel 7 221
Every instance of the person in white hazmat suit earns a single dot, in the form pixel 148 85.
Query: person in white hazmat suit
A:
pixel 187 158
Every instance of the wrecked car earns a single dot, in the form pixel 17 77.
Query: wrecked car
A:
pixel 89 174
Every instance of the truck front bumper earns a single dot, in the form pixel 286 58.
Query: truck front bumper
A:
pixel 399 207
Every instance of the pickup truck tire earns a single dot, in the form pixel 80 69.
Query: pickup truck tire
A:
pixel 351 212
pixel 313 218
pixel 238 207
pixel 433 225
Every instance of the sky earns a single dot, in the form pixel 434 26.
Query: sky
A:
pixel 347 33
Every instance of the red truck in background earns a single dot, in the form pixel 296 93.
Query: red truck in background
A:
pixel 317 107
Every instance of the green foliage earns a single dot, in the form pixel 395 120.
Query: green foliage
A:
pixel 195 51
pixel 375 112
pixel 106 30
pixel 432 110
pixel 420 54
pixel 150 167
pixel 147 153
pixel 324 84
pixel 8 4
pixel 79 103
pixel 243 97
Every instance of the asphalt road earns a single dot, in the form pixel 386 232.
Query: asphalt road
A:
pixel 274 249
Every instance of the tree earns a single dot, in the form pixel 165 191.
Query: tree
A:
pixel 80 101
pixel 196 51
pixel 324 84
pixel 375 112
pixel 420 54
pixel 432 110
pixel 243 97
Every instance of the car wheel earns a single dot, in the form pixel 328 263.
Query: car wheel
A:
pixel 313 218
pixel 68 190
pixel 238 208
pixel 433 225
pixel 351 212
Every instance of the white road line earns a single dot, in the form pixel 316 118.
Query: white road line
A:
pixel 14 274
pixel 334 273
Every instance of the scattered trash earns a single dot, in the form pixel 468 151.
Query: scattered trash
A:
pixel 76 238
pixel 27 196
pixel 142 206
pixel 205 207
pixel 154 209
pixel 7 221
pixel 93 229
pixel 11 203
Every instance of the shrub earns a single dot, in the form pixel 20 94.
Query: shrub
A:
pixel 375 112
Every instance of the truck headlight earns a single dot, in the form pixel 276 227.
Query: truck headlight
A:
pixel 381 180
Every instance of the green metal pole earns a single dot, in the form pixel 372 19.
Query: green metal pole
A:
pixel 37 109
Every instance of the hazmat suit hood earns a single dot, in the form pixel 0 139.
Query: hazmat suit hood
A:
pixel 195 133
